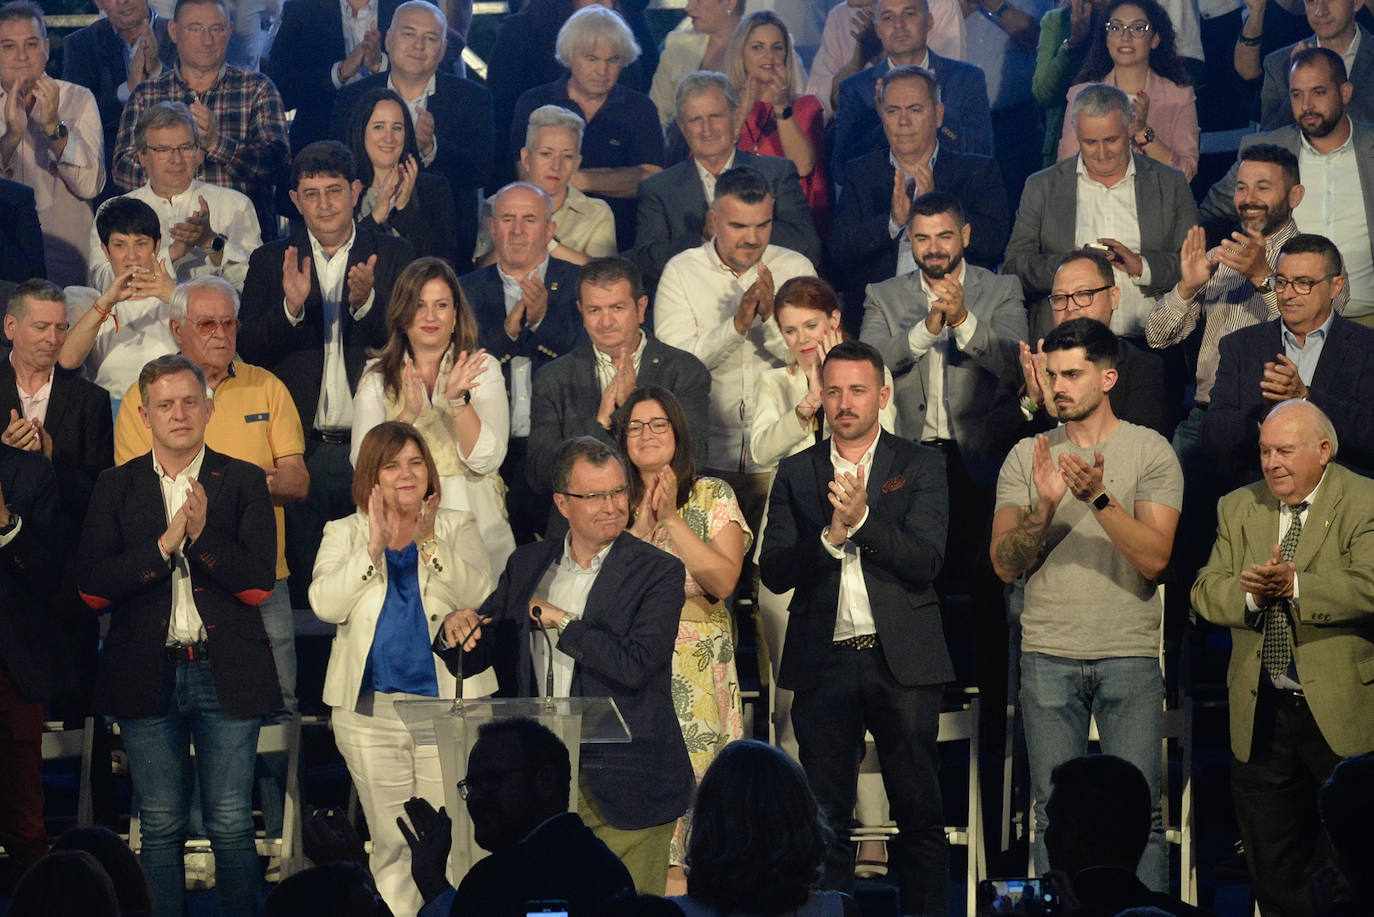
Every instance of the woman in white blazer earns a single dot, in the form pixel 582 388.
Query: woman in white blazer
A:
pixel 389 576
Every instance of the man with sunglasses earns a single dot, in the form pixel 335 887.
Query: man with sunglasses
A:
pixel 254 420
pixel 1309 352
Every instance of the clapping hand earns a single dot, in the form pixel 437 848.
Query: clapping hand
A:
pixel 463 376
pixel 295 281
pixel 1269 582
pixel 1196 269
pixel 381 525
pixel 1035 372
pixel 429 844
pixel 1083 479
pixel 850 501
pixel 360 279
pixel 1050 485
pixel 1281 380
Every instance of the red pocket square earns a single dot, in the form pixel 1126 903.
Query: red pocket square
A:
pixel 892 484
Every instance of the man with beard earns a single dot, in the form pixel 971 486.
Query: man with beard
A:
pixel 1336 161
pixel 1090 628
pixel 516 790
pixel 949 331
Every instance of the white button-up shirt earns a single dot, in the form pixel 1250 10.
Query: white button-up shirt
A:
pixel 565 586
pixel 1110 213
pixel 33 406
pixel 854 617
pixel 185 625
pixel 1333 205
pixel 936 348
pixel 605 366
pixel 416 105
pixel 708 181
pixel 521 368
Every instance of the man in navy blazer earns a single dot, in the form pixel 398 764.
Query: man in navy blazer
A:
pixel 673 203
pixel 1265 364
pixel 902 26
pixel 856 526
pixel 611 636
pixel 867 231
pixel 111 56
pixel 180 548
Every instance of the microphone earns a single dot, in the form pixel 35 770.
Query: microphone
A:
pixel 453 656
pixel 548 645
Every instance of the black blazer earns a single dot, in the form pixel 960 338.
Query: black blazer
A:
pixel 30 571
pixel 673 205
pixel 233 567
pixel 295 353
pixel 567 394
pixel 82 429
pixel 861 252
pixel 1342 386
pixel 623 649
pixel 464 132
pixel 309 44
pixel 558 333
pixel 903 547
pixel 429 222
pixel 94 57
pixel 21 237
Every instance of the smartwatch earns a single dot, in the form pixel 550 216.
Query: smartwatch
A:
pixel 1102 501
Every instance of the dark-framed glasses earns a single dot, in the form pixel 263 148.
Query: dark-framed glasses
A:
pixel 1059 302
pixel 658 425
pixel 1301 285
pixel 1132 29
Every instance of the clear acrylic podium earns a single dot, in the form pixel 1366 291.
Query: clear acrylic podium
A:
pixel 452 725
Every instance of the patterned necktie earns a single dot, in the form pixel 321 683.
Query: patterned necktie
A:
pixel 1278 650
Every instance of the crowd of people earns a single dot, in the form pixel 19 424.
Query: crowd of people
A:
pixel 545 385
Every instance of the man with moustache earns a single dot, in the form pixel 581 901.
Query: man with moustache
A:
pixel 856 526
pixel 1336 162
pixel 1333 28
pixel 1091 626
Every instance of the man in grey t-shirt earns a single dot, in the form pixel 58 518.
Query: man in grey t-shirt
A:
pixel 1090 629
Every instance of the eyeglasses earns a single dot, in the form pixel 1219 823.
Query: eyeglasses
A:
pixel 196 30
pixel 486 784
pixel 183 149
pixel 1301 285
pixel 1059 302
pixel 206 326
pixel 635 428
pixel 1134 29
pixel 600 496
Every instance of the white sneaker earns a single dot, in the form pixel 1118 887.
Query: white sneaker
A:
pixel 200 870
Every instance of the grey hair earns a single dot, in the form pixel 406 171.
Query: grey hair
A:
pixel 909 72
pixel 1098 99
pixel 1321 426
pixel 211 283
pixel 428 7
pixel 555 116
pixel 580 447
pixel 548 201
pixel 702 81
pixel 588 24
pixel 161 116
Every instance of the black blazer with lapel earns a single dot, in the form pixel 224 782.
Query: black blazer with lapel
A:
pixel 21 236
pixel 623 649
pixel 30 571
pixel 295 353
pixel 233 566
pixel 673 205
pixel 860 250
pixel 82 429
pixel 309 44
pixel 902 544
pixel 94 57
pixel 558 333
pixel 1342 386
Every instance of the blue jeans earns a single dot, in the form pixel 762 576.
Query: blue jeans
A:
pixel 1126 697
pixel 160 766
pixel 280 623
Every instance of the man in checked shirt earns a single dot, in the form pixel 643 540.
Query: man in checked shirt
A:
pixel 239 112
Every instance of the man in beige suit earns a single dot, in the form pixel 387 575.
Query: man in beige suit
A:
pixel 1292 575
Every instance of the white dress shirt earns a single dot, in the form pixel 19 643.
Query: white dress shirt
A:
pixel 416 105
pixel 605 366
pixel 565 586
pixel 1110 213
pixel 32 406
pixel 906 258
pixel 1333 206
pixel 521 368
pixel 854 617
pixel 185 625
pixel 708 181
pixel 355 26
pixel 936 348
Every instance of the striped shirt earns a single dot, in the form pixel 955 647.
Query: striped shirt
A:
pixel 1229 301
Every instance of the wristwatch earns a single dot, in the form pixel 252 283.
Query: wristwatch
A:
pixel 59 134
pixel 218 242
pixel 11 526
pixel 1102 501
pixel 430 546
pixel 1264 288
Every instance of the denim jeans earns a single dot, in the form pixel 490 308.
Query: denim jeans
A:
pixel 1126 697
pixel 280 623
pixel 160 765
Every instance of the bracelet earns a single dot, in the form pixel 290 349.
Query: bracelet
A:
pixel 995 15
pixel 952 325
pixel 1249 42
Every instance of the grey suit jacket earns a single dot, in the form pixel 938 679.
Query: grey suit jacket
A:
pixel 673 205
pixel 980 381
pixel 1275 110
pixel 1044 230
pixel 566 395
pixel 1218 210
pixel 1333 619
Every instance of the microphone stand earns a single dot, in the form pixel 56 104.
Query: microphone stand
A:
pixel 548 644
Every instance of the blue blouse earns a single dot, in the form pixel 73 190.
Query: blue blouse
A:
pixel 400 660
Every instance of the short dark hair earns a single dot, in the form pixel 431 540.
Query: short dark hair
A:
pixel 224 7
pixel 169 364
pixel 1096 339
pixel 1106 801
pixel 357 130
pixel 323 157
pixel 129 216
pixel 1099 260
pixel 118 861
pixel 934 203
pixel 581 447
pixel 608 271
pixel 16 10
pixel 1273 153
pixel 856 352
pixel 745 183
pixel 33 288
pixel 65 883
pixel 910 72
pixel 1309 57
pixel 1309 243
pixel 342 889
pixel 683 465
pixel 540 746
